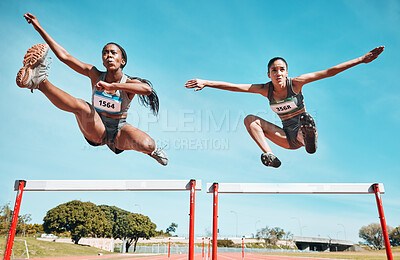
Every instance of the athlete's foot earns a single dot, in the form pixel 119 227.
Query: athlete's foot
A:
pixel 309 132
pixel 269 159
pixel 160 156
pixel 35 68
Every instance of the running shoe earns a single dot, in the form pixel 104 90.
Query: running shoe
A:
pixel 269 159
pixel 309 132
pixel 160 156
pixel 36 67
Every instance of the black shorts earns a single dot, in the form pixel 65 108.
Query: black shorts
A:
pixel 113 126
pixel 291 127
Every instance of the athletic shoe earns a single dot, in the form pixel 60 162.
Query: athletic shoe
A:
pixel 36 67
pixel 309 132
pixel 269 159
pixel 160 156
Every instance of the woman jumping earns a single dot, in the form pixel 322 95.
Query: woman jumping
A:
pixel 103 121
pixel 286 99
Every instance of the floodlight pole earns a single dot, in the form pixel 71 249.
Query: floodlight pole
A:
pixel 383 222
pixel 14 222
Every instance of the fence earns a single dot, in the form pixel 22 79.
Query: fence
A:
pixel 183 249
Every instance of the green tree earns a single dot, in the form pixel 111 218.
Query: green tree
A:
pixel 372 234
pixel 394 237
pixel 80 218
pixel 22 222
pixel 270 235
pixel 128 226
pixel 172 228
pixel 6 214
pixel 5 218
pixel 140 226
pixel 34 229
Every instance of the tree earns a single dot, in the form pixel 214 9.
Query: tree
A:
pixel 172 228
pixel 6 214
pixel 394 237
pixel 288 236
pixel 118 219
pixel 22 222
pixel 80 218
pixel 140 226
pixel 270 235
pixel 372 234
pixel 34 229
pixel 5 218
pixel 128 226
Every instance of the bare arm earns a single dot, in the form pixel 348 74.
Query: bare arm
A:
pixel 133 86
pixel 299 81
pixel 59 51
pixel 199 84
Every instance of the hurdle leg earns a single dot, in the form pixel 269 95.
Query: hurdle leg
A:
pixel 383 222
pixel 11 233
pixel 191 220
pixel 215 222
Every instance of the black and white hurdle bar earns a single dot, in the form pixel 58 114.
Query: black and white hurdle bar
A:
pixel 297 188
pixel 103 185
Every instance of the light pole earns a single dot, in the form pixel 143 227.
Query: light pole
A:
pixel 344 231
pixel 255 225
pixel 300 226
pixel 234 212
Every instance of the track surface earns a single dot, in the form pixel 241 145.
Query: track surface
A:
pixel 221 256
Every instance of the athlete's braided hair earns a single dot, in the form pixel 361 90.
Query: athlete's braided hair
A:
pixel 151 101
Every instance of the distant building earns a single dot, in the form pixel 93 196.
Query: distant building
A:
pixel 324 244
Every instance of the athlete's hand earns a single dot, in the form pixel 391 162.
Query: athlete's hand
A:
pixel 30 18
pixel 102 85
pixel 372 55
pixel 197 84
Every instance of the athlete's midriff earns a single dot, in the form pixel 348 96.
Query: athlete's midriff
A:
pixel 295 113
pixel 114 116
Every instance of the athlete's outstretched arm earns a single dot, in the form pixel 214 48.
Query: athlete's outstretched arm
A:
pixel 199 84
pixel 310 77
pixel 133 86
pixel 58 50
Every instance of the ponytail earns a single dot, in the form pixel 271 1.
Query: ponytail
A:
pixel 151 101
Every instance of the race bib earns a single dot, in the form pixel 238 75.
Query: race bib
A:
pixel 107 103
pixel 284 106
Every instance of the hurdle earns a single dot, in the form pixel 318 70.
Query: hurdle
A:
pixel 297 188
pixel 103 185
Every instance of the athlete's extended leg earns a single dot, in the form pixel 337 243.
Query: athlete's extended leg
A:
pixel 131 138
pixel 33 75
pixel 259 129
pixel 309 132
pixel 88 119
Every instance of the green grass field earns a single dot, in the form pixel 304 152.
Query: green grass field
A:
pixel 38 248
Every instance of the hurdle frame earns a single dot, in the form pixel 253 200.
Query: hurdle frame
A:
pixel 298 188
pixel 103 185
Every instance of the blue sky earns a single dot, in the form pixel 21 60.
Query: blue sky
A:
pixel 170 42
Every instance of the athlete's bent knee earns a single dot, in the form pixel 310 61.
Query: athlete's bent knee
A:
pixel 249 119
pixel 83 107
